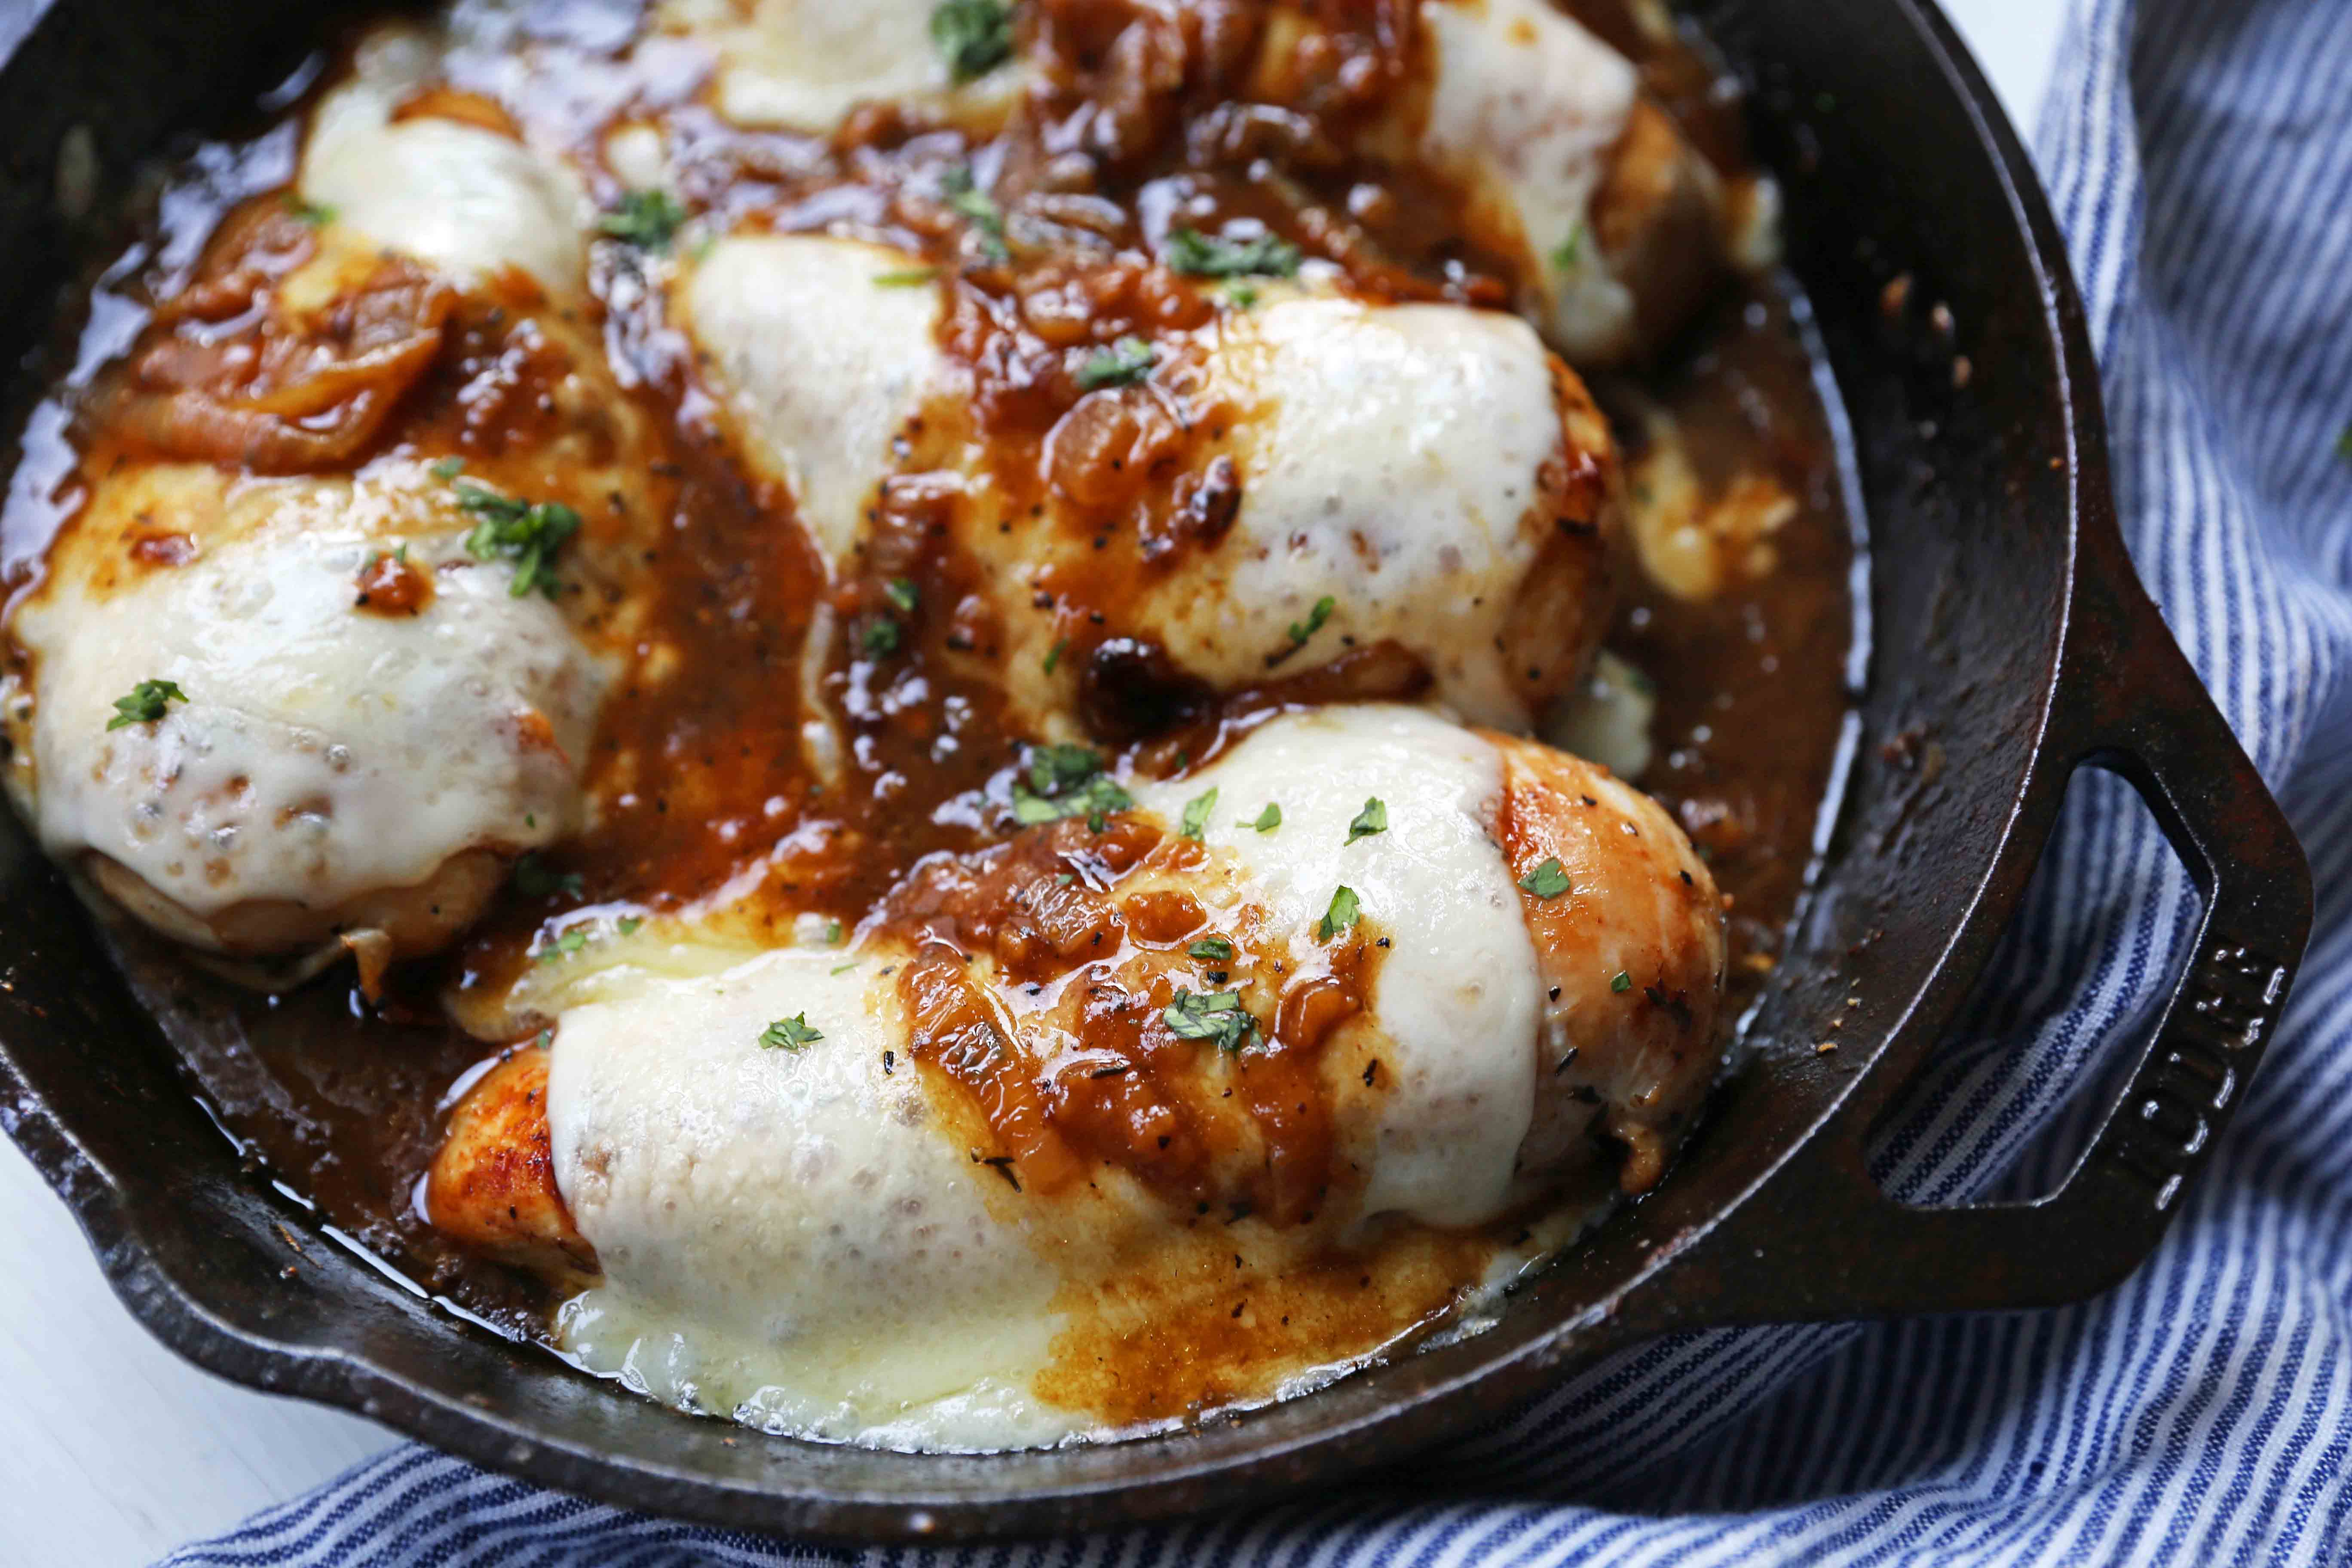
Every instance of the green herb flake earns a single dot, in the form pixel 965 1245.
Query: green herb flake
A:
pixel 833 933
pixel 907 278
pixel 1373 818
pixel 628 924
pixel 792 1034
pixel 569 942
pixel 1218 1015
pixel 878 637
pixel 1269 819
pixel 1621 982
pixel 529 533
pixel 1196 815
pixel 146 704
pixel 1301 630
pixel 534 879
pixel 1123 364
pixel 1549 881
pixel 1204 256
pixel 900 591
pixel 976 207
pixel 1064 781
pixel 316 214
pixel 1568 253
pixel 975 35
pixel 1053 654
pixel 1240 296
pixel 648 220
pixel 1342 915
pixel 1211 950
pixel 844 968
pixel 447 468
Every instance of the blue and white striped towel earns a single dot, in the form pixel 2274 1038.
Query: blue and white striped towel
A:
pixel 2200 158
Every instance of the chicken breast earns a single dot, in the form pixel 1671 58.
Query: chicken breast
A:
pixel 1363 984
pixel 1285 484
pixel 286 682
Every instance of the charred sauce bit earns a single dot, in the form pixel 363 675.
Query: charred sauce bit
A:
pixel 1103 1015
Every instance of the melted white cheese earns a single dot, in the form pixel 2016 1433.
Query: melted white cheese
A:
pixel 322 752
pixel 456 196
pixel 1527 105
pixel 821 367
pixel 1457 1000
pixel 791 1231
pixel 1391 463
pixel 805 64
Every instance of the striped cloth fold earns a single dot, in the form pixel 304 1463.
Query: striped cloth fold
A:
pixel 2200 159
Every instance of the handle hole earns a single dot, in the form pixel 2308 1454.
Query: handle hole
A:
pixel 2006 1105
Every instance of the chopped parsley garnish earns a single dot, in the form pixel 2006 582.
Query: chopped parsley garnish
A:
pixel 646 220
pixel 1570 252
pixel 1066 780
pixel 146 704
pixel 975 207
pixel 1053 654
pixel 1269 819
pixel 1301 630
pixel 571 941
pixel 792 1034
pixel 1211 950
pixel 833 933
pixel 1549 881
pixel 878 636
pixel 447 468
pixel 1203 256
pixel 316 214
pixel 1218 1016
pixel 1123 364
pixel 527 532
pixel 900 591
pixel 1621 982
pixel 1240 296
pixel 976 35
pixel 905 277
pixel 1373 818
pixel 1196 814
pixel 628 924
pixel 534 880
pixel 1342 915
pixel 844 968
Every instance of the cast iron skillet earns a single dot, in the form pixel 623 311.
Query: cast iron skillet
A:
pixel 2013 645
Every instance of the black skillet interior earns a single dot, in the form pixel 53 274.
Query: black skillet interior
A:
pixel 2010 634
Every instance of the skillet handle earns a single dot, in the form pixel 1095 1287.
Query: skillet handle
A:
pixel 1827 1243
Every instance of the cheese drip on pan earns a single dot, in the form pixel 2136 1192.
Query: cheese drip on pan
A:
pixel 950 1186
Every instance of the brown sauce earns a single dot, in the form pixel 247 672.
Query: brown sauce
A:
pixel 698 771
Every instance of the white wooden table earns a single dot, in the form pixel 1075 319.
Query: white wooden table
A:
pixel 113 1450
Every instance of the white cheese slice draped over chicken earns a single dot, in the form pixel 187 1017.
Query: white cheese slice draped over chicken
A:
pixel 795 1221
